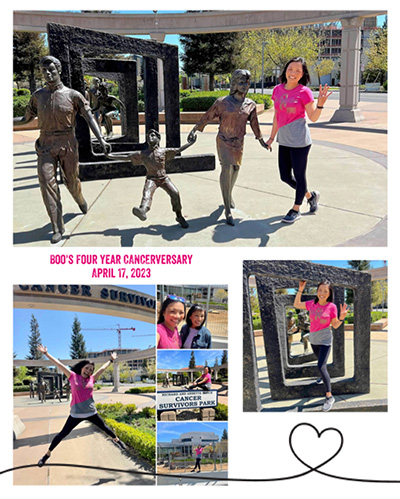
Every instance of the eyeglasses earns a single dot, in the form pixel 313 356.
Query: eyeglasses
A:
pixel 176 298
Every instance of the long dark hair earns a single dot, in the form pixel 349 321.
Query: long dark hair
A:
pixel 165 304
pixel 306 75
pixel 77 369
pixel 330 297
pixel 195 308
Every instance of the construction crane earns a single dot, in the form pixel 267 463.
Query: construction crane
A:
pixel 118 329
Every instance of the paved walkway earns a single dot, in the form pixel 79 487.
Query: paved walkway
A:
pixel 85 445
pixel 379 383
pixel 347 165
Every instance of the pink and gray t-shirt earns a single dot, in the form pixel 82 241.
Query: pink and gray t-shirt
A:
pixel 82 403
pixel 320 320
pixel 290 115
pixel 168 339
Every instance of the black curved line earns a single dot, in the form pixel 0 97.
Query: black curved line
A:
pixel 154 474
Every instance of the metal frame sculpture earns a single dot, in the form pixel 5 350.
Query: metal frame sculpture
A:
pixel 78 50
pixel 270 275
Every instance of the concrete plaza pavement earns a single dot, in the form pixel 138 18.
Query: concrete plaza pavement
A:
pixel 347 164
pixel 86 445
pixel 376 400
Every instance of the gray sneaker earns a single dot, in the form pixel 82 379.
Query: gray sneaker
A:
pixel 328 404
pixel 319 381
pixel 291 216
pixel 313 201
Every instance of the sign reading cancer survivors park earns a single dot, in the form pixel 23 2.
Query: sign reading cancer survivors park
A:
pixel 172 401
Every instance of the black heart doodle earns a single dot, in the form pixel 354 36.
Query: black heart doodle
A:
pixel 311 469
pixel 319 434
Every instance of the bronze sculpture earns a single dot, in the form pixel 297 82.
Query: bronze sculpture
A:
pixel 304 328
pixel 291 329
pixel 154 159
pixel 233 111
pixel 56 106
pixel 106 107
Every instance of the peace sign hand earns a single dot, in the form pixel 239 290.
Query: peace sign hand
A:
pixel 343 312
pixel 323 95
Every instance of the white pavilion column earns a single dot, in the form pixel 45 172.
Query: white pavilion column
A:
pixel 349 72
pixel 159 37
pixel 116 376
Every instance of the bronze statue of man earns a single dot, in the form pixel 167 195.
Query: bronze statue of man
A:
pixel 233 111
pixel 56 106
pixel 154 158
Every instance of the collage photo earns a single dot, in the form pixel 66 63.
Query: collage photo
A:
pixel 206 195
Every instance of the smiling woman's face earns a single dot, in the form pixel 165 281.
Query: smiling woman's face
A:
pixel 174 314
pixel 294 72
pixel 87 371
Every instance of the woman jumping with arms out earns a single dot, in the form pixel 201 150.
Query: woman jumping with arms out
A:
pixel 81 379
pixel 323 315
pixel 292 100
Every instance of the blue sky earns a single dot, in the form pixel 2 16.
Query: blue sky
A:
pixel 168 431
pixel 55 328
pixel 178 359
pixel 343 263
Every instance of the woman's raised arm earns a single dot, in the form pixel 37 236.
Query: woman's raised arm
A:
pixel 56 362
pixel 297 301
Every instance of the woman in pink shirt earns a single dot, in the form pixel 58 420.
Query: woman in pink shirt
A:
pixel 292 101
pixel 203 382
pixel 199 452
pixel 323 315
pixel 81 378
pixel 172 313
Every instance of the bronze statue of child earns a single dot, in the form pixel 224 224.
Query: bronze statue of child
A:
pixel 154 158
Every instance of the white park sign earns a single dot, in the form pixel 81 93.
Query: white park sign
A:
pixel 173 400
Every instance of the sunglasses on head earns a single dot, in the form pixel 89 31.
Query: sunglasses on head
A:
pixel 176 298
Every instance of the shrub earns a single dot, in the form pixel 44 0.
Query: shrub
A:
pixel 143 443
pixel 262 99
pixel 148 412
pixel 145 389
pixel 197 103
pixel 221 412
pixel 130 408
pixel 19 105
pixel 202 101
pixel 21 91
pixel 257 323
pixel 20 389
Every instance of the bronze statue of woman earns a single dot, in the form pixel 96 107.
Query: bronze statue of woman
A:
pixel 233 111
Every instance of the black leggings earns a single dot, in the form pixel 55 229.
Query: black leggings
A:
pixel 322 354
pixel 292 163
pixel 197 465
pixel 72 423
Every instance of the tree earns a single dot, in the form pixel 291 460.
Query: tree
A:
pixel 379 293
pixel 323 67
pixel 221 295
pixel 192 361
pixel 77 347
pixel 28 49
pixel 210 53
pixel 377 53
pixel 34 341
pixel 359 264
pixel 224 360
pixel 280 45
pixel 224 435
pixel 356 265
